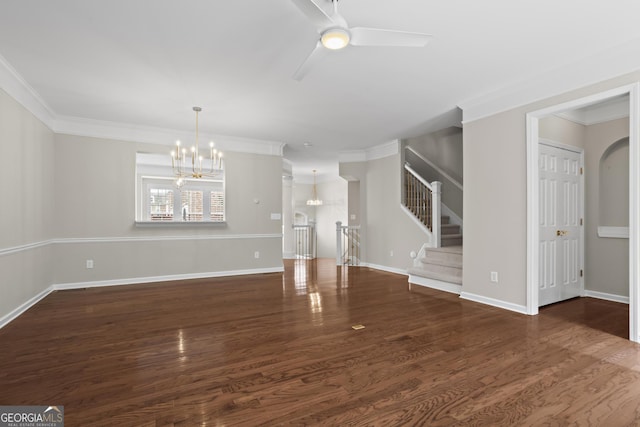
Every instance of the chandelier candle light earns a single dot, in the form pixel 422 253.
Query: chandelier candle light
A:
pixel 179 155
pixel 314 201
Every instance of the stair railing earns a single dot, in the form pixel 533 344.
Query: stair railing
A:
pixel 347 244
pixel 306 243
pixel 423 200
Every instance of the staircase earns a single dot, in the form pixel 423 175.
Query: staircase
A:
pixel 451 234
pixel 438 268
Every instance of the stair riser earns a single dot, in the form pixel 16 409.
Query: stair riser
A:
pixel 450 241
pixel 442 257
pixel 450 229
pixel 441 269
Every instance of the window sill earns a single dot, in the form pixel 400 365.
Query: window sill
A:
pixel 165 224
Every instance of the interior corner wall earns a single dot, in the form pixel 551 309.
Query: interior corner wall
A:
pixel 334 209
pixel 495 199
pixel 443 148
pixel 96 217
pixel 26 188
pixel 389 234
pixel 606 259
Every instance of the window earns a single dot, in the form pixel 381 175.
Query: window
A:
pixel 161 204
pixel 160 200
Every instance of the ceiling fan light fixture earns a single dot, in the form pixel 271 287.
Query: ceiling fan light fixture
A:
pixel 335 38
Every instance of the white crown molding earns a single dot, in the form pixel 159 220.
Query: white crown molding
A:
pixel 17 87
pixel 378 152
pixel 608 64
pixel 163 136
pixel 618 108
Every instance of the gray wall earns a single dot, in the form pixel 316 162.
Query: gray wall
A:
pixel 386 227
pixel 444 148
pixel 100 211
pixel 26 188
pixel 80 191
pixel 495 196
pixel 606 259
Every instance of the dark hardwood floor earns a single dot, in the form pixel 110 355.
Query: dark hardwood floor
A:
pixel 279 349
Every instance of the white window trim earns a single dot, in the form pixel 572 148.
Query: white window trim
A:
pixel 204 185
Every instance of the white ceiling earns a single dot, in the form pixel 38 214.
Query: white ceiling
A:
pixel 147 62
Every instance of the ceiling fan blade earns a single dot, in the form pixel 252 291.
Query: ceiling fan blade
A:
pixel 315 14
pixel 361 36
pixel 314 57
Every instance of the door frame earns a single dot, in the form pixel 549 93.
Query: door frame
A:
pixel 533 176
pixel 581 202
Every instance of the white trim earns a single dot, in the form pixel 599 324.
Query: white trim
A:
pixel 433 165
pixel 13 314
pixel 383 268
pixel 532 142
pixel 613 232
pixel 26 247
pixel 374 153
pixel 556 144
pixel 154 279
pixel 607 297
pixel 608 64
pixel 439 285
pixel 29 246
pixel 494 302
pixel 614 110
pixel 163 136
pixel 634 213
pixel 18 88
pixel 165 238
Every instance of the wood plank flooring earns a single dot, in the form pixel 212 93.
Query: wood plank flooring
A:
pixel 278 349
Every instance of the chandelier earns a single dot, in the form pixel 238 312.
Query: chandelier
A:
pixel 198 166
pixel 314 201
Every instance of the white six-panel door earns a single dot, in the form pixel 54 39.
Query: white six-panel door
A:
pixel 561 246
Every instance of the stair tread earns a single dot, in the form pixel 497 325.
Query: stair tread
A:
pixel 457 249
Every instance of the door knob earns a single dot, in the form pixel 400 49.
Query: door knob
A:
pixel 561 232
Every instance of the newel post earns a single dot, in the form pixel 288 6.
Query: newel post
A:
pixel 436 213
pixel 338 242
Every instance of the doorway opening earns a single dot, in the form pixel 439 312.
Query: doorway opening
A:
pixel 545 124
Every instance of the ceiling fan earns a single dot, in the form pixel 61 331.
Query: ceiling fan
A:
pixel 335 34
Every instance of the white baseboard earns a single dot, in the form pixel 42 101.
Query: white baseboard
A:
pixel 522 309
pixel 605 296
pixel 384 268
pixel 453 288
pixel 12 315
pixel 4 320
pixel 173 277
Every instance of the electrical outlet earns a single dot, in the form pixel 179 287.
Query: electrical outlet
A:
pixel 89 263
pixel 390 253
pixel 256 254
pixel 494 276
